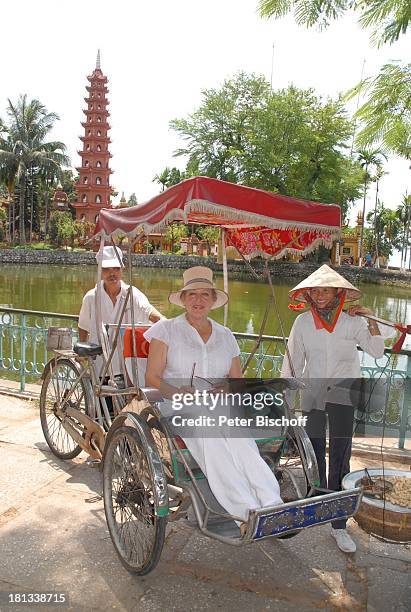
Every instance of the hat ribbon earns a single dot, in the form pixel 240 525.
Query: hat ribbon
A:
pixel 198 280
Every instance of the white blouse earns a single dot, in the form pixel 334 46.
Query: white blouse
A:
pixel 319 356
pixel 316 353
pixel 212 359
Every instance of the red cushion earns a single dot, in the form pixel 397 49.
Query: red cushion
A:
pixel 142 345
pixel 180 442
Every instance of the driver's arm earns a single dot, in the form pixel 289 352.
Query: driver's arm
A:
pixel 155 316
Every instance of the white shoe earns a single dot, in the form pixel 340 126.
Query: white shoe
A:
pixel 344 540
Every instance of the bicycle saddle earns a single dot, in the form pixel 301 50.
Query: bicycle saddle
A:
pixel 83 349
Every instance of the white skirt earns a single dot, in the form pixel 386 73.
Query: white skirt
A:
pixel 237 475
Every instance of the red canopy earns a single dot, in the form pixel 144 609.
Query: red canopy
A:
pixel 257 222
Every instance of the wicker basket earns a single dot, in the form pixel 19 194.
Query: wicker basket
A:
pixel 59 339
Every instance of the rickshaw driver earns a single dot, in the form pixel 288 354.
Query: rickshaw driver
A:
pixel 113 294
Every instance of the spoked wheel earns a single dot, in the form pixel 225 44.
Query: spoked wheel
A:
pixel 160 440
pixel 136 530
pixel 59 391
pixel 297 465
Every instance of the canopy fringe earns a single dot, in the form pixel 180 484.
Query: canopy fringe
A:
pixel 227 213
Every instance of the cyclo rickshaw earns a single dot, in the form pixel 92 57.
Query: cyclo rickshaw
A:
pixel 149 476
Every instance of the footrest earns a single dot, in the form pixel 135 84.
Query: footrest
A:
pixel 294 516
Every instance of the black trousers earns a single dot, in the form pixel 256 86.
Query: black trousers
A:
pixel 340 425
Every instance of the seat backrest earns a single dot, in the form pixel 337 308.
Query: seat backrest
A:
pixel 142 347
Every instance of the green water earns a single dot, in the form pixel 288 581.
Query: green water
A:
pixel 61 288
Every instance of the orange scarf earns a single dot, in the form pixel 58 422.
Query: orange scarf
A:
pixel 327 318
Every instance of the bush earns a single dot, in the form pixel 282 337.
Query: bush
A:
pixel 62 228
pixel 3 224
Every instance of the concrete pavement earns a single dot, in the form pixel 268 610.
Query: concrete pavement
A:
pixel 53 537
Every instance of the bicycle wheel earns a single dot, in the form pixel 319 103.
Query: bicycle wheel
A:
pixel 160 439
pixel 129 500
pixel 60 390
pixel 298 464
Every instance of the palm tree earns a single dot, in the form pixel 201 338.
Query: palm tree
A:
pixel 403 213
pixel 26 151
pixel 367 158
pixel 386 115
pixel 390 18
pixel 378 176
pixel 162 178
pixel 392 228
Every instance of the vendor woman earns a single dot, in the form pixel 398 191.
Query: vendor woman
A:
pixel 323 346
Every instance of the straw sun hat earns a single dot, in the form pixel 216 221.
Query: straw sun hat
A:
pixel 198 277
pixel 324 277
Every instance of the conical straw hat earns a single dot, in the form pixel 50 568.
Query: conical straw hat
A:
pixel 324 277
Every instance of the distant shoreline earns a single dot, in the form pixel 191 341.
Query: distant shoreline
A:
pixel 283 270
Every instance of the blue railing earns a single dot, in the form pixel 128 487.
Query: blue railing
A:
pixel 23 354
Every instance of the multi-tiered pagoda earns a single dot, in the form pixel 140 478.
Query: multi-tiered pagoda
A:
pixel 93 188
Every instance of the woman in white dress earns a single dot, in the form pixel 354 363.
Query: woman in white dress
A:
pixel 237 475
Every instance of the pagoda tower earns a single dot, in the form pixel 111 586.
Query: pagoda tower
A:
pixel 93 188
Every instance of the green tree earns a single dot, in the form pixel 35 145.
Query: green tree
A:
pixel 148 247
pixel 385 232
pixel 63 228
pixel 209 233
pixel 3 223
pixel 368 159
pixel 26 151
pixel 386 115
pixel 83 230
pixel 403 213
pixel 289 141
pixel 174 233
pixel 169 177
pixel 388 18
pixel 217 132
pixel 392 230
pixel 379 174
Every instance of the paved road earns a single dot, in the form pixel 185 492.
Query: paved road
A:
pixel 53 537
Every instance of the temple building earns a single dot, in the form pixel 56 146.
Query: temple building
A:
pixel 93 188
pixel 60 200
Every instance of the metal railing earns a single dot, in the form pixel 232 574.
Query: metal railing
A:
pixel 23 354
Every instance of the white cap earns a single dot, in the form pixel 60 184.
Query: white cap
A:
pixel 109 259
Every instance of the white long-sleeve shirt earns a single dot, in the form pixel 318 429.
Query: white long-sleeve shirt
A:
pixel 319 356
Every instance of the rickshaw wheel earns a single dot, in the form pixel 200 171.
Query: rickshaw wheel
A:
pixel 58 384
pixel 297 456
pixel 136 531
pixel 160 439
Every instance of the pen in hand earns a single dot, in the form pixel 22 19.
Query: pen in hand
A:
pixel 192 374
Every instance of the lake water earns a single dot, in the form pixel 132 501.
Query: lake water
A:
pixel 61 289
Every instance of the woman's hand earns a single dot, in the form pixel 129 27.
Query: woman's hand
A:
pixel 358 310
